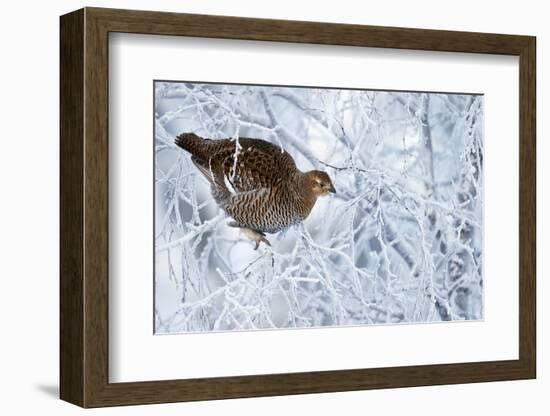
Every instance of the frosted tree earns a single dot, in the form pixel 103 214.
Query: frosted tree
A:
pixel 400 242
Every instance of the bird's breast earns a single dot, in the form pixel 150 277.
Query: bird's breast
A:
pixel 269 209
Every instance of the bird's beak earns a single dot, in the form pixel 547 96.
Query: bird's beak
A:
pixel 331 189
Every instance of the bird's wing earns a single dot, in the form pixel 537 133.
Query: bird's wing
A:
pixel 256 166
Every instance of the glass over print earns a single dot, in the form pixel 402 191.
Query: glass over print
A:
pixel 291 207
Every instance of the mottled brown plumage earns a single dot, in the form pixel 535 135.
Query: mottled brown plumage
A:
pixel 258 184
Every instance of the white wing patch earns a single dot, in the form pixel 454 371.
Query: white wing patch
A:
pixel 229 185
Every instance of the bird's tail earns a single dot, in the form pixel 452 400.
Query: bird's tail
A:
pixel 192 143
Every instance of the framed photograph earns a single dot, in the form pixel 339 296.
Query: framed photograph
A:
pixel 255 207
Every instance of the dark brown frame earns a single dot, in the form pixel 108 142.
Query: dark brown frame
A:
pixel 84 207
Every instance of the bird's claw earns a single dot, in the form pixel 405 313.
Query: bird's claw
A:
pixel 256 236
pixel 261 239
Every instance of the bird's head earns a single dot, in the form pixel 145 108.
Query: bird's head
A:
pixel 320 182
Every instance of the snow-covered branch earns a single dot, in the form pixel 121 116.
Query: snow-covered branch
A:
pixel 401 241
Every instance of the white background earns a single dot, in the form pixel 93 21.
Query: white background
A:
pixel 29 209
pixel 131 202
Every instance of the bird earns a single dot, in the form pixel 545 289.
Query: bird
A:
pixel 256 183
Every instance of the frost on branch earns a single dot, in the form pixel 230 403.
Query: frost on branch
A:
pixel 401 241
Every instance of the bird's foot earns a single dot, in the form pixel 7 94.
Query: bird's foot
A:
pixel 256 236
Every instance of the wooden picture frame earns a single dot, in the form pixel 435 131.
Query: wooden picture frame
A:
pixel 84 207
